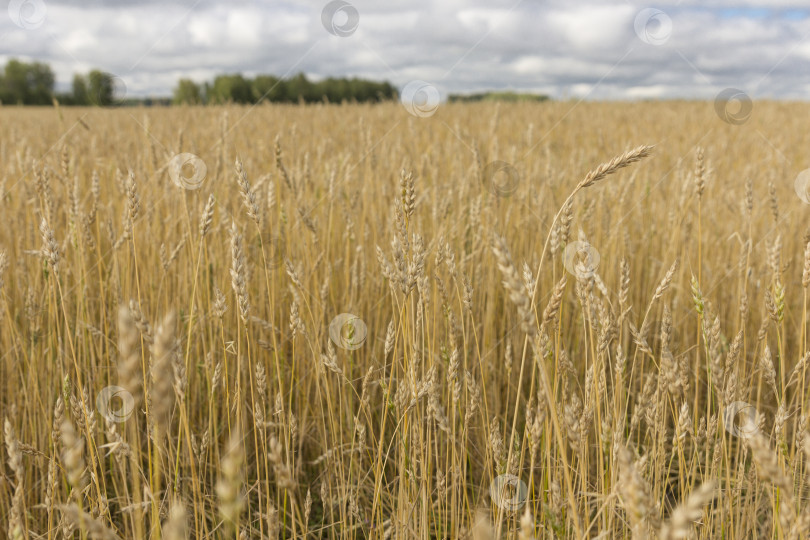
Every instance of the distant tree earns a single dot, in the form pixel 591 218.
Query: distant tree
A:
pixel 268 88
pixel 360 90
pixel 300 89
pixel 187 92
pixel 40 83
pixel 387 91
pixel 33 84
pixel 333 90
pixel 231 88
pixel 497 96
pixel 81 94
pixel 101 88
pixel 15 82
pixel 26 84
pixel 95 88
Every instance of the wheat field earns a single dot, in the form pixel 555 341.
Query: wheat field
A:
pixel 555 320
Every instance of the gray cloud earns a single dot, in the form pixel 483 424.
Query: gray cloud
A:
pixel 588 49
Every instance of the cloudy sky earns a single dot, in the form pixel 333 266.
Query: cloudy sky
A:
pixel 564 48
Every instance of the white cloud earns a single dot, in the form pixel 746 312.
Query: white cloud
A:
pixel 647 92
pixel 558 46
pixel 586 27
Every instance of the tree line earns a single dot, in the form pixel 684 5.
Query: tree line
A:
pixel 24 83
pixel 32 83
pixel 235 88
pixel 513 97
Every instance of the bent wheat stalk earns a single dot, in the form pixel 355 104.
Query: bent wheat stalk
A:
pixel 594 176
